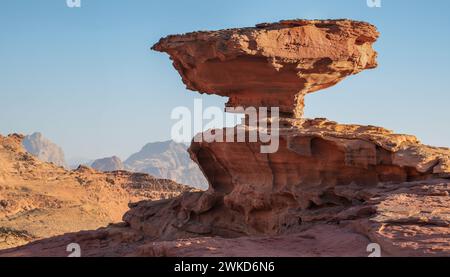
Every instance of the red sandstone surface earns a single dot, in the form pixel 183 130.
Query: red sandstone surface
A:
pixel 272 65
pixel 329 190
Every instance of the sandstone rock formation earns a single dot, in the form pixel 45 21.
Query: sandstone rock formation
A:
pixel 108 164
pixel 168 160
pixel 363 179
pixel 45 150
pixel 406 219
pixel 40 200
pixel 272 65
pixel 329 190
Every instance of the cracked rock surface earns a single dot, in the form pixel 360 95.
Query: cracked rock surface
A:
pixel 272 65
pixel 330 189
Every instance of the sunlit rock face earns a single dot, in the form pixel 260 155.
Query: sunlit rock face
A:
pixel 329 189
pixel 272 65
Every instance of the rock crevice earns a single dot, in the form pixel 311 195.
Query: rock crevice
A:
pixel 329 190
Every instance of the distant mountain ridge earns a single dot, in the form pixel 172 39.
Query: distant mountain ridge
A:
pixel 167 159
pixel 108 164
pixel 40 199
pixel 44 149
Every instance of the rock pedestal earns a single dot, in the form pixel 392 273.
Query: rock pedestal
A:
pixel 328 190
pixel 323 172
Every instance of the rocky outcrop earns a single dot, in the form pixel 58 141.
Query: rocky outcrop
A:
pixel 405 219
pixel 108 164
pixel 45 150
pixel 168 160
pixel 329 190
pixel 40 200
pixel 323 172
pixel 272 65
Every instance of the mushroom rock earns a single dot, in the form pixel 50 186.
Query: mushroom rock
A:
pixel 272 65
pixel 330 189
pixel 323 172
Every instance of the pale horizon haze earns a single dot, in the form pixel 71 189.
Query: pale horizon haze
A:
pixel 87 80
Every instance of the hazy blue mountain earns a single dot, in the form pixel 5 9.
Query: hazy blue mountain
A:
pixel 168 160
pixel 108 164
pixel 45 150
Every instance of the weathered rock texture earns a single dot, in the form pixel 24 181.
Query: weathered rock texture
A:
pixel 272 65
pixel 329 190
pixel 406 219
pixel 324 173
pixel 40 200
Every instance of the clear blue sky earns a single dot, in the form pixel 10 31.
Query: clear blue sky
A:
pixel 87 79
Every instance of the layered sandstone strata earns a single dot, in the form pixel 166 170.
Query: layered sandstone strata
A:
pixel 40 200
pixel 272 65
pixel 321 173
pixel 329 190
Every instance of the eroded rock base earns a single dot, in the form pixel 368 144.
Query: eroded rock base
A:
pixel 330 190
